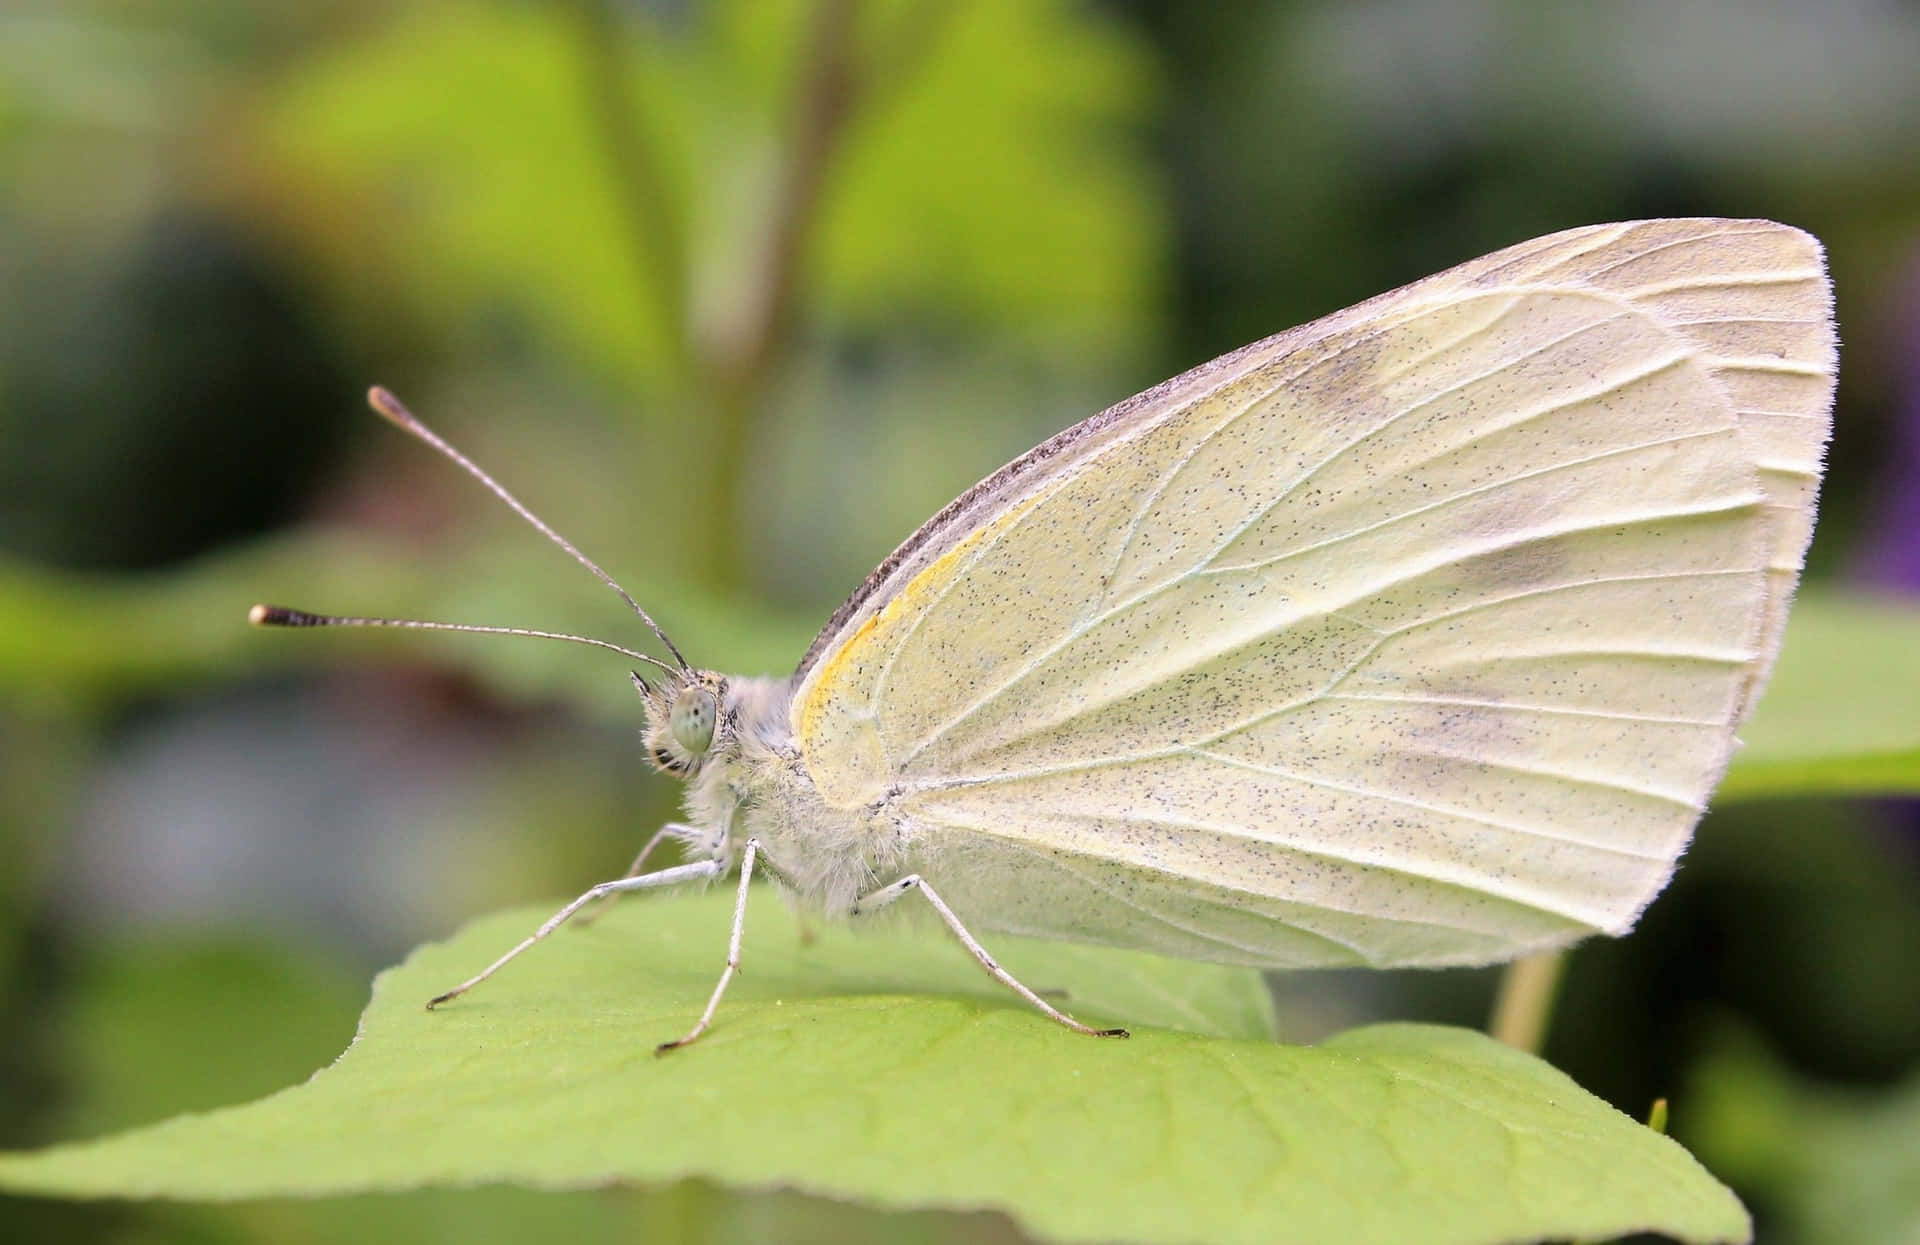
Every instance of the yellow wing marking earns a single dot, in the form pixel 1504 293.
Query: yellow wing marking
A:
pixel 834 712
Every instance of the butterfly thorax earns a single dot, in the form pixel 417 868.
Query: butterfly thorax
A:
pixel 750 781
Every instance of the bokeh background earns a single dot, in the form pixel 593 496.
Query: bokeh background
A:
pixel 737 293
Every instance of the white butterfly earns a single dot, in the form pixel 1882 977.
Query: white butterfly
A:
pixel 1417 635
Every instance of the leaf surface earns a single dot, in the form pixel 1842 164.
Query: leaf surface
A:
pixel 882 1067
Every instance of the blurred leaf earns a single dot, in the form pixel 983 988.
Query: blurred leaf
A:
pixel 1004 181
pixel 992 179
pixel 1840 716
pixel 1803 917
pixel 77 637
pixel 1716 82
pixel 910 432
pixel 464 130
pixel 887 1069
pixel 183 1025
pixel 1839 1166
pixel 42 760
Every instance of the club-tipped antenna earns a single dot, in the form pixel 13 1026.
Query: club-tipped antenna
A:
pixel 281 616
pixel 395 412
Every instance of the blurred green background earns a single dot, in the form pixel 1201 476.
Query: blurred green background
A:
pixel 736 294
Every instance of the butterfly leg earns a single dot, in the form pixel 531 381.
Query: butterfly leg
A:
pixel 699 870
pixel 593 911
pixel 747 857
pixel 913 881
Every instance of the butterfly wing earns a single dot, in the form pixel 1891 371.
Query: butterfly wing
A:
pixel 1416 635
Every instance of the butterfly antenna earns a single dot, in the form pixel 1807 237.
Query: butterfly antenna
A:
pixel 281 616
pixel 395 412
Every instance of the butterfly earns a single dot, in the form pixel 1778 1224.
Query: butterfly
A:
pixel 1417 635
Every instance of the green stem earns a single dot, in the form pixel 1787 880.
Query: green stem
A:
pixel 1524 1004
pixel 739 359
pixel 656 235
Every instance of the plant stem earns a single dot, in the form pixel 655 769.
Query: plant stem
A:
pixel 1524 1003
pixel 656 234
pixel 740 358
pixel 731 367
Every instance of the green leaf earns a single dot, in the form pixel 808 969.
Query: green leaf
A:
pixel 1839 1165
pixel 469 130
pixel 133 1045
pixel 157 1024
pixel 967 183
pixel 72 636
pixel 882 1067
pixel 993 179
pixel 1839 716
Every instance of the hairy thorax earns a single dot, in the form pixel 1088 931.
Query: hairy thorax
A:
pixel 755 784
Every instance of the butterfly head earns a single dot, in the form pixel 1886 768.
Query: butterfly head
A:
pixel 687 718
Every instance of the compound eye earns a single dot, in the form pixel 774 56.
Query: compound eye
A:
pixel 692 720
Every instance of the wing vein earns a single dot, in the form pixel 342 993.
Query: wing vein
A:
pixel 1467 702
pixel 1121 693
pixel 1725 280
pixel 1160 488
pixel 1495 486
pixel 1126 899
pixel 1561 776
pixel 1430 351
pixel 1444 810
pixel 1319 852
pixel 1082 627
pixel 1311 473
pixel 1550 589
pixel 1775 366
pixel 1669 244
pixel 1690 322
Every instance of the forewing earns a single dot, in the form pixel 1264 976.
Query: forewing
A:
pixel 1421 632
